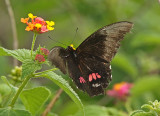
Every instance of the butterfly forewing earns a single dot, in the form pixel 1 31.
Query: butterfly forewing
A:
pixel 105 42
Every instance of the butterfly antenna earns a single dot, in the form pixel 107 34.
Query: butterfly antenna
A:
pixel 74 36
pixel 57 41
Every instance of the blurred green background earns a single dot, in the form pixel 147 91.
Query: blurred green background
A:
pixel 137 61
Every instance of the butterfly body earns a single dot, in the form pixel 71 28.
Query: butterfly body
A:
pixel 89 64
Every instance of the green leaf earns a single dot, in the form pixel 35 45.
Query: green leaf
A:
pixel 95 110
pixel 153 109
pixel 29 66
pixel 9 89
pixel 141 113
pixel 20 54
pixel 3 52
pixel 4 89
pixel 147 106
pixel 65 86
pixel 34 98
pixel 8 83
pixel 13 112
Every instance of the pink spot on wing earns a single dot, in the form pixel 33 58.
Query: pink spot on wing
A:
pixel 90 77
pixel 82 80
pixel 98 76
pixel 94 76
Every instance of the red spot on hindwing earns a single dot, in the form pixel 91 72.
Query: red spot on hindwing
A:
pixel 94 76
pixel 98 76
pixel 90 77
pixel 82 80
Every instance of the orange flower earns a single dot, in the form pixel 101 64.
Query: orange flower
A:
pixel 30 27
pixel 37 24
pixel 24 20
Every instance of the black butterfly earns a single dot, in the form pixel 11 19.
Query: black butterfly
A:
pixel 89 64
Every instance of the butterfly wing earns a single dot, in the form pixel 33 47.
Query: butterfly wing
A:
pixel 96 73
pixel 57 57
pixel 95 54
pixel 105 42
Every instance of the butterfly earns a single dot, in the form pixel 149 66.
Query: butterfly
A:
pixel 89 65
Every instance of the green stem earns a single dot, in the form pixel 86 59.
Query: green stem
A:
pixel 39 73
pixel 33 42
pixel 19 90
pixel 128 106
pixel 7 99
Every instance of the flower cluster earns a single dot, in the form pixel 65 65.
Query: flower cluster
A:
pixel 39 58
pixel 44 51
pixel 16 73
pixel 120 91
pixel 41 54
pixel 37 24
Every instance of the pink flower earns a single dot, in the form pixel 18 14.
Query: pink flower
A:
pixel 120 91
pixel 40 20
pixel 39 58
pixel 43 29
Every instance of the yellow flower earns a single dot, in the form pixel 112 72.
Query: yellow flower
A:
pixel 50 28
pixel 50 23
pixel 30 15
pixel 38 25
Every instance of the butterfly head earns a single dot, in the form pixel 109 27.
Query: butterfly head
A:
pixel 72 47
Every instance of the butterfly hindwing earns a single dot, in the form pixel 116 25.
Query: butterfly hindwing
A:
pixel 81 69
pixel 97 74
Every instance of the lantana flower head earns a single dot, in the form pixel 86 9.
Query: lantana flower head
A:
pixel 40 58
pixel 120 91
pixel 41 54
pixel 37 24
pixel 44 51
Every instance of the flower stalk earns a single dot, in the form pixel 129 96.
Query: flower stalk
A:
pixel 20 90
pixel 33 42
